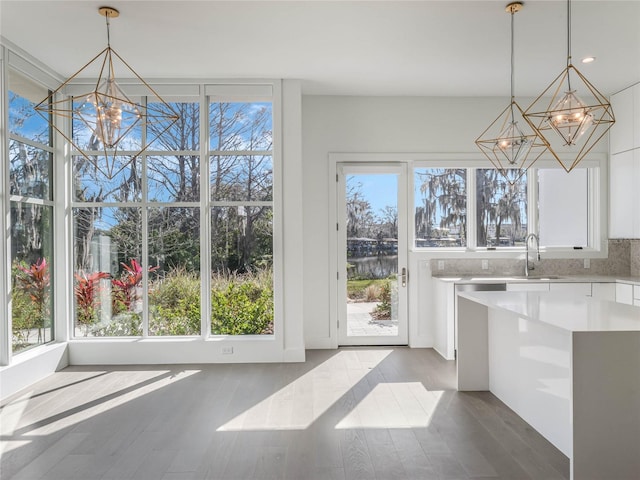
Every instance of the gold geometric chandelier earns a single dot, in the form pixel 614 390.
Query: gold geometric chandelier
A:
pixel 511 142
pixel 109 128
pixel 570 114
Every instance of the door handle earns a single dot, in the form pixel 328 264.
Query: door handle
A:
pixel 403 277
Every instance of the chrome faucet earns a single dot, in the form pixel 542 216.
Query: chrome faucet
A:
pixel 527 268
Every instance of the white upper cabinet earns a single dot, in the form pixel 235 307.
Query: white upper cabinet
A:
pixel 621 135
pixel 636 115
pixel 624 165
pixel 624 195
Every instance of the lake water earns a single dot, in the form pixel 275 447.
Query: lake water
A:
pixel 380 266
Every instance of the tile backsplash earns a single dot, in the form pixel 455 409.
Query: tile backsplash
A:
pixel 635 257
pixel 623 260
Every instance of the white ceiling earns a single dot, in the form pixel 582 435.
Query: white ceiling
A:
pixel 433 48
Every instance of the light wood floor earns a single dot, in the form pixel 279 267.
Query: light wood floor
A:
pixel 365 413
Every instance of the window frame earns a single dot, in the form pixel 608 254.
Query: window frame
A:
pixel 10 60
pixel 202 92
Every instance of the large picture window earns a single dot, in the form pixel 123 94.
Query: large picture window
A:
pixel 31 205
pixel 142 236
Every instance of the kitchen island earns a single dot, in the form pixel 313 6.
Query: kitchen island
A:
pixel 568 365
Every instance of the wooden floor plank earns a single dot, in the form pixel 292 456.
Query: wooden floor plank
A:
pixel 356 413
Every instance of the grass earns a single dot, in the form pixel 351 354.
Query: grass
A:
pixel 356 289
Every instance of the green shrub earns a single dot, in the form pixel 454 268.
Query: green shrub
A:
pixel 23 313
pixel 383 309
pixel 174 304
pixel 242 304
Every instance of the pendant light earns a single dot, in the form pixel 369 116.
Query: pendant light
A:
pixel 511 142
pixel 570 114
pixel 108 126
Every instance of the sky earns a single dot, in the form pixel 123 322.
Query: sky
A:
pixel 380 190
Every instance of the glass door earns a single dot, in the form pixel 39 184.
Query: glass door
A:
pixel 372 255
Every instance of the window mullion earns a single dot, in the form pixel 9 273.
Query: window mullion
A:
pixel 205 219
pixel 6 348
pixel 471 209
pixel 144 254
pixel 533 225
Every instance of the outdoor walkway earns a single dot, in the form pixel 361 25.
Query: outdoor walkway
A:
pixel 360 323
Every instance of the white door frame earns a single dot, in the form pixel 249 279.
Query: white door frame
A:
pixel 364 164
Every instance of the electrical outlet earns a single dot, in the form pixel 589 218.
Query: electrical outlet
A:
pixel 587 263
pixel 440 264
pixel 485 264
pixel 227 350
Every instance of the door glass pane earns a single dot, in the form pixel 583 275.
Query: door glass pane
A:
pixel 372 254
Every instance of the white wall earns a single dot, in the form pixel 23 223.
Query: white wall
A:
pixel 342 124
pixel 31 367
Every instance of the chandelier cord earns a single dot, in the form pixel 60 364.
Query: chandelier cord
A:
pixel 106 16
pixel 568 42
pixel 512 63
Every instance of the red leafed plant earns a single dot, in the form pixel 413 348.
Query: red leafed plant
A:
pixel 35 281
pixel 125 287
pixel 86 292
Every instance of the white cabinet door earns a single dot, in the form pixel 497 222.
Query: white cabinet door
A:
pixel 621 135
pixel 624 293
pixel 583 289
pixel 624 195
pixel 528 287
pixel 444 322
pixel 604 291
pixel 636 115
pixel 636 292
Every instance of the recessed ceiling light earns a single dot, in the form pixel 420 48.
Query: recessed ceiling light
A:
pixel 588 59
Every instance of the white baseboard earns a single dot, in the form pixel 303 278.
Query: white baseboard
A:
pixel 293 355
pixel 324 343
pixel 159 351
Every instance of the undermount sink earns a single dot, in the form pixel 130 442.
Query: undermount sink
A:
pixel 537 278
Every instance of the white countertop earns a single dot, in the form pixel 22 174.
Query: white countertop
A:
pixel 567 312
pixel 497 278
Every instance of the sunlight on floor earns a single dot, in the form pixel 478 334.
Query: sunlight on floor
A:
pixel 9 418
pixel 290 407
pixel 394 405
pixel 14 418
